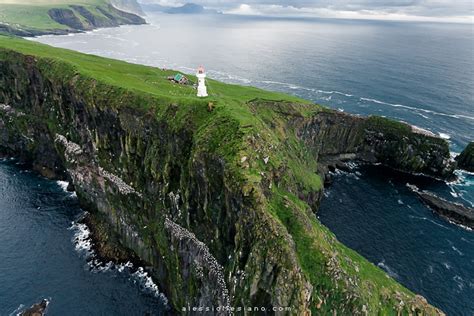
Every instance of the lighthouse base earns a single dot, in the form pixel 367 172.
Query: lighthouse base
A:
pixel 202 92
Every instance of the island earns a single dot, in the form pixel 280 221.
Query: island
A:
pixel 42 17
pixel 217 195
pixel 451 211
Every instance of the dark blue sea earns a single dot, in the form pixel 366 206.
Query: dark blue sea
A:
pixel 421 73
pixel 45 254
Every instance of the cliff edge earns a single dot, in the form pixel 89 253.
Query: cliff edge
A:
pixel 41 17
pixel 217 195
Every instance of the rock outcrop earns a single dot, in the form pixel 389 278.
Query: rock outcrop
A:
pixel 466 159
pixel 38 309
pixel 80 18
pixel 219 204
pixel 452 211
pixel 336 137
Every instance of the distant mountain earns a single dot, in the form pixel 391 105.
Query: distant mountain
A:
pixel 188 8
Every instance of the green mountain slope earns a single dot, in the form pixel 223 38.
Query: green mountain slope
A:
pixel 30 17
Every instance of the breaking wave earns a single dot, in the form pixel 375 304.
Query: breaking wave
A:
pixel 387 269
pixel 83 244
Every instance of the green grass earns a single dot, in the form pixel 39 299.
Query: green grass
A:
pixel 33 15
pixel 246 123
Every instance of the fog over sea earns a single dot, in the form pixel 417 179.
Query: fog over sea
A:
pixel 421 73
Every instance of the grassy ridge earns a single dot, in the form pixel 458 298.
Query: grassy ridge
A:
pixel 32 18
pixel 342 280
pixel 34 14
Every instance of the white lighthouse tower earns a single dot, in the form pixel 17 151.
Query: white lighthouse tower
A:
pixel 201 75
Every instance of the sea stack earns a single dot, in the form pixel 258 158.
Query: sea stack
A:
pixel 466 158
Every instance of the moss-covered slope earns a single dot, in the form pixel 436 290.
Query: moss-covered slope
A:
pixel 217 195
pixel 39 17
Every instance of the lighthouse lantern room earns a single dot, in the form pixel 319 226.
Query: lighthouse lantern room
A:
pixel 201 88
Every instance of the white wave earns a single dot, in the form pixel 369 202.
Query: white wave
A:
pixel 447 265
pixel 17 311
pixel 335 92
pixel 457 250
pixel 459 281
pixel 427 219
pixel 146 282
pixel 63 185
pixel 82 238
pixel 444 136
pixel 455 194
pixel 417 109
pixel 461 225
pixel 387 269
pixel 22 308
pixel 83 244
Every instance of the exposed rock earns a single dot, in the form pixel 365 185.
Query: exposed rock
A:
pixel 456 212
pixel 337 137
pixel 38 309
pixel 167 182
pixel 67 17
pixel 131 6
pixel 466 158
pixel 78 18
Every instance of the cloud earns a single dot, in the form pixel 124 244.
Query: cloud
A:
pixel 421 10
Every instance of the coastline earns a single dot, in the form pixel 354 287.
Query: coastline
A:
pixel 73 19
pixel 202 167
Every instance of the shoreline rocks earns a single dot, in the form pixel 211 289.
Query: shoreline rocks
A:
pixel 38 309
pixel 451 211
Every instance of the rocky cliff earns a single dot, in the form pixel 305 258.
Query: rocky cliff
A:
pixel 466 159
pixel 218 200
pixel 62 18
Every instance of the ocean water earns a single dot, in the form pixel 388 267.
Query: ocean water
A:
pixel 421 73
pixel 44 255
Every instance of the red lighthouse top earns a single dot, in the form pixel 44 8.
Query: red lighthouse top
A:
pixel 200 70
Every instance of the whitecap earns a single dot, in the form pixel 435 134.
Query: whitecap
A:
pixel 82 238
pixel 387 269
pixel 457 250
pixel 83 244
pixel 63 185
pixel 146 282
pixel 447 265
pixel 454 194
pixel 417 109
pixel 22 308
pixel 17 311
pixel 444 136
pixel 459 281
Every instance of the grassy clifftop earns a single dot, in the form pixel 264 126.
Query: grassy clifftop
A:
pixel 37 17
pixel 233 167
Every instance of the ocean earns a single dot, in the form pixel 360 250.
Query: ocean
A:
pixel 421 73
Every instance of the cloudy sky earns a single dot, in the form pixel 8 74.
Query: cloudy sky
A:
pixel 421 10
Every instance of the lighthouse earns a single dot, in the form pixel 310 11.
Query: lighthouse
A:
pixel 201 89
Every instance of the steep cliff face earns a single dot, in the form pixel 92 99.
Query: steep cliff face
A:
pixel 219 201
pixel 81 18
pixel 466 159
pixel 62 17
pixel 338 136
